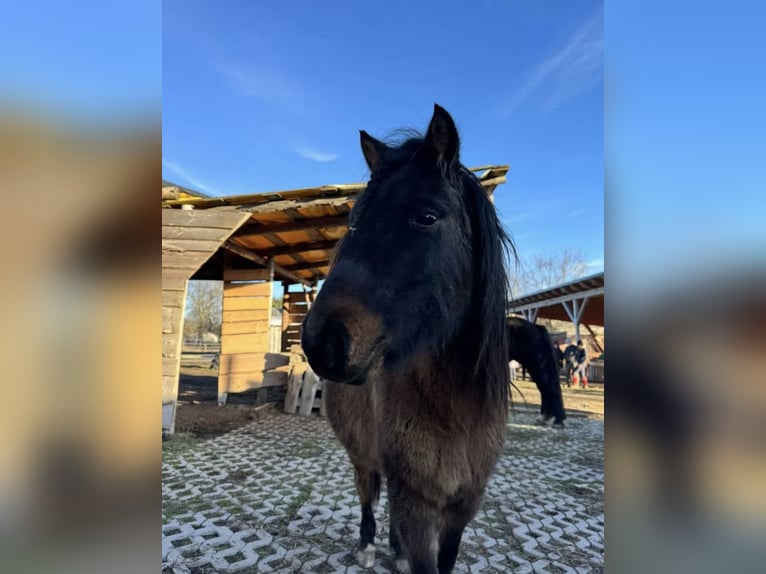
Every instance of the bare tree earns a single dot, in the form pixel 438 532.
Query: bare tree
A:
pixel 203 307
pixel 548 269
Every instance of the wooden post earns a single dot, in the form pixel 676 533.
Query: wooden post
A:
pixel 575 313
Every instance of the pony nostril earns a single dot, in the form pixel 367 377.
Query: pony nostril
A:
pixel 335 344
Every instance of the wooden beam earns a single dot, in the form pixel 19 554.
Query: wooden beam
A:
pixel 255 258
pixel 286 204
pixel 300 225
pixel 514 307
pixel 308 265
pixel 299 248
pixel 228 219
pixel 595 338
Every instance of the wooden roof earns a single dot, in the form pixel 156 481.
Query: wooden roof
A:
pixel 548 301
pixel 297 229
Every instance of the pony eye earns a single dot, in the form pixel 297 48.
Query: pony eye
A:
pixel 425 220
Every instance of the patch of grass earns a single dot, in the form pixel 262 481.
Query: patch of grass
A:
pixel 589 494
pixel 308 448
pixel 590 461
pixel 178 444
pixel 281 523
pixel 303 495
pixel 171 508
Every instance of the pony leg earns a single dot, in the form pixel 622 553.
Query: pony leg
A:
pixel 456 517
pixel 395 540
pixel 368 487
pixel 418 523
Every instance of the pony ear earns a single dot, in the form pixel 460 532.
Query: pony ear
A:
pixel 442 142
pixel 372 149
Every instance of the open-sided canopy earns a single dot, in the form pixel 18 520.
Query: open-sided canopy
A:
pixel 587 292
pixel 296 229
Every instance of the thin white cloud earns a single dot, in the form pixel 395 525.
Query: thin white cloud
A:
pixel 274 88
pixel 576 212
pixel 521 217
pixel 575 67
pixel 315 155
pixel 188 178
pixel 597 263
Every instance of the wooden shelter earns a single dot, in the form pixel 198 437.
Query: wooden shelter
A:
pixel 248 242
pixel 580 301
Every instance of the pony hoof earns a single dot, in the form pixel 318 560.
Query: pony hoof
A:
pixel 558 425
pixel 366 557
pixel 403 565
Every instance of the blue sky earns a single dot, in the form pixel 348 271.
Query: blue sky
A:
pixel 263 96
pixel 87 60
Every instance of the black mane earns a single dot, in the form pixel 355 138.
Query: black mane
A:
pixel 484 337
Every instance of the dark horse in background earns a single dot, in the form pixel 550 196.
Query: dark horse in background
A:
pixel 410 326
pixel 531 346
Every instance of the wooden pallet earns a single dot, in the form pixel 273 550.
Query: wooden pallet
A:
pixel 304 392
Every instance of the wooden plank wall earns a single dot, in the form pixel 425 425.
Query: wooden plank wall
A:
pixel 189 238
pixel 244 331
pixel 294 309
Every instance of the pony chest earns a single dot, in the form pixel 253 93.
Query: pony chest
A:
pixel 437 459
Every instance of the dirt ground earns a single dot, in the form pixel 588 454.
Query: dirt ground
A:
pixel 198 412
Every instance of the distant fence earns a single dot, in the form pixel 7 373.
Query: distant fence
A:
pixel 200 346
pixel 596 372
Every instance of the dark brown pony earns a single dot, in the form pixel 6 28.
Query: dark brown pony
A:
pixel 410 326
pixel 531 345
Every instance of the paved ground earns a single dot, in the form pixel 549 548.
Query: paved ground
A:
pixel 277 495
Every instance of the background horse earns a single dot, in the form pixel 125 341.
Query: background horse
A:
pixel 410 326
pixel 531 345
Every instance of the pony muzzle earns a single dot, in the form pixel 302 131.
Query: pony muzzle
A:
pixel 339 349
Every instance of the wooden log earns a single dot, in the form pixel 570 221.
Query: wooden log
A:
pixel 175 279
pixel 248 290
pixel 296 307
pixel 241 363
pixel 247 343
pixel 239 383
pixel 201 233
pixel 299 248
pixel 250 255
pixel 300 225
pixel 252 362
pixel 228 219
pixel 244 315
pixel 242 327
pixel 171 319
pixel 170 344
pixel 168 387
pixel 186 260
pixel 170 366
pixel 245 274
pixel 192 245
pixel 172 298
pixel 308 265
pixel 277 360
pixel 248 304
